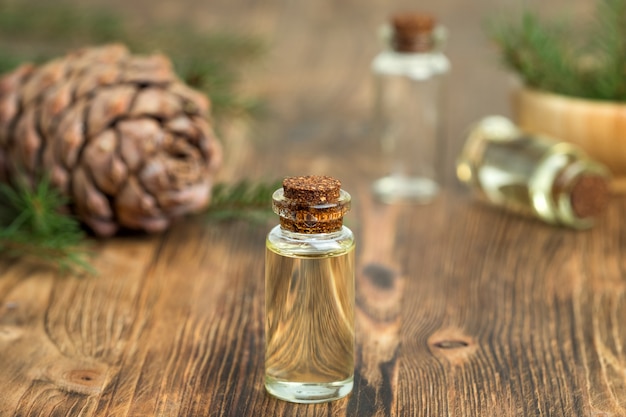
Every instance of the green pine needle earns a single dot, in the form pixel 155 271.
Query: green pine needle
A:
pixel 243 200
pixel 567 59
pixel 208 61
pixel 32 225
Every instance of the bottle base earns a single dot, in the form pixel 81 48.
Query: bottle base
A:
pixel 417 190
pixel 308 393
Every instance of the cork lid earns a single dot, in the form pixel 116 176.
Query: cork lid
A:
pixel 312 189
pixel 311 204
pixel 582 192
pixel 412 32
pixel 589 196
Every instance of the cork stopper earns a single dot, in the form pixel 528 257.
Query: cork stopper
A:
pixel 412 32
pixel 311 204
pixel 582 190
pixel 589 196
pixel 312 190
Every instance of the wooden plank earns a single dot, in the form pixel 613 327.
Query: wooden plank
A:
pixel 61 336
pixel 512 317
pixel 463 310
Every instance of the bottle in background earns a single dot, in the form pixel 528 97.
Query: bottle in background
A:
pixel 535 175
pixel 409 80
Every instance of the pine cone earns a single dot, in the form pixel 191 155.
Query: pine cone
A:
pixel 120 135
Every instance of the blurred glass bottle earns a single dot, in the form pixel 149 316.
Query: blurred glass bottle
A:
pixel 408 98
pixel 552 180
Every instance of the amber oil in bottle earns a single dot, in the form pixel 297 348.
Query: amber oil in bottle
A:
pixel 552 180
pixel 309 293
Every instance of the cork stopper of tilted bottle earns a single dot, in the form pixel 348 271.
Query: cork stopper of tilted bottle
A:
pixel 582 191
pixel 412 32
pixel 311 204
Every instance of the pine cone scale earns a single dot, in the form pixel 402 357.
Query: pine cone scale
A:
pixel 55 101
pixel 70 135
pixel 107 170
pixel 26 150
pixel 185 200
pixel 157 103
pixel 138 209
pixel 92 81
pixel 193 102
pixel 143 138
pixel 155 69
pixel 9 99
pixel 182 126
pixel 41 80
pixel 211 149
pixel 91 201
pixel 107 106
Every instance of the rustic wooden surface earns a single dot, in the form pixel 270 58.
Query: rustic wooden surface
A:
pixel 463 310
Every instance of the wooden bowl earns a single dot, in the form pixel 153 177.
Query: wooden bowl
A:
pixel 597 127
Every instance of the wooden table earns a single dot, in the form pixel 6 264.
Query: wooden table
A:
pixel 462 309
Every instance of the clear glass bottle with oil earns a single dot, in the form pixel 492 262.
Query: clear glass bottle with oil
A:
pixel 552 180
pixel 409 82
pixel 309 293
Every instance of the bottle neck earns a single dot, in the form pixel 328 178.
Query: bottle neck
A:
pixel 412 43
pixel 315 217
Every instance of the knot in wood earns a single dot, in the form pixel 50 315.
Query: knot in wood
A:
pixel 79 378
pixel 379 293
pixel 381 276
pixel 10 333
pixel 87 377
pixel 453 345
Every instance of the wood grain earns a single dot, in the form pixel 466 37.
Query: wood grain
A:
pixel 516 319
pixel 462 309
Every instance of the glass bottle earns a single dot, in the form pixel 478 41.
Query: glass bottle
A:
pixel 531 174
pixel 408 78
pixel 309 293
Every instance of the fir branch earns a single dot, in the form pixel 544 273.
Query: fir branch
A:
pixel 561 58
pixel 608 48
pixel 243 200
pixel 211 62
pixel 32 225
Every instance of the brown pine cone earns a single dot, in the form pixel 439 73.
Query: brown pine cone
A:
pixel 121 135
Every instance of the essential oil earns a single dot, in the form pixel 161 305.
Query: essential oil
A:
pixel 552 180
pixel 309 293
